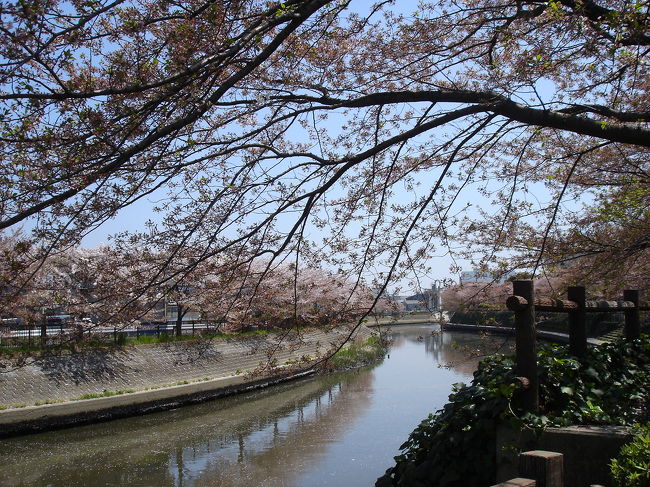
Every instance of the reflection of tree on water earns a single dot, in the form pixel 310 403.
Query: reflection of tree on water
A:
pixel 290 445
pixel 463 351
pixel 270 437
pixel 227 442
pixel 455 350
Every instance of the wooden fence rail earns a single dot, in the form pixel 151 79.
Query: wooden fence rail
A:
pixel 524 303
pixel 565 305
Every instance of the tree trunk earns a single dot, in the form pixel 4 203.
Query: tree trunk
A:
pixel 179 320
pixel 181 311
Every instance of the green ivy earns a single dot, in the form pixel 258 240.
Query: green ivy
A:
pixel 456 445
pixel 573 392
pixel 632 467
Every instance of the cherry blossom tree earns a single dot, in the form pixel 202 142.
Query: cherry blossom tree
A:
pixel 333 133
pixel 469 295
pixel 493 295
pixel 282 296
pixel 42 291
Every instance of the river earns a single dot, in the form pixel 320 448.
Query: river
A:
pixel 337 430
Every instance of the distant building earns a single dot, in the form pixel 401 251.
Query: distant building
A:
pixel 427 300
pixel 435 296
pixel 474 276
pixel 171 313
pixel 417 302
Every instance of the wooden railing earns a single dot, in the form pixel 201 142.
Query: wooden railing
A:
pixel 524 303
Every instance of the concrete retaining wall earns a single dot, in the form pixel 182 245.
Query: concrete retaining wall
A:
pixel 152 373
pixel 551 336
pixel 33 419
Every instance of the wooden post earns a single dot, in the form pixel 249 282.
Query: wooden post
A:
pixel 525 340
pixel 578 322
pixel 632 316
pixel 544 466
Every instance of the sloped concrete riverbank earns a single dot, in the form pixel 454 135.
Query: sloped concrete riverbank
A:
pixel 46 392
pixel 551 336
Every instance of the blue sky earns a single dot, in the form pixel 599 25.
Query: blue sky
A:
pixel 135 216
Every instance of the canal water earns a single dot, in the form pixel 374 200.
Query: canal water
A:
pixel 338 430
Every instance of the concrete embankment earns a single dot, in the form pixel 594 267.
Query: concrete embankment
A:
pixel 548 335
pixel 551 336
pixel 45 393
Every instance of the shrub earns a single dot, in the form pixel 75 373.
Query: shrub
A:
pixel 121 338
pixel 632 467
pixel 482 315
pixel 356 354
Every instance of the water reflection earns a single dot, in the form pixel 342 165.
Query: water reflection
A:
pixel 459 351
pixel 344 428
pixel 229 442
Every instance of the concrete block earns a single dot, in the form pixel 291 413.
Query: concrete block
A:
pixel 544 466
pixel 518 482
pixel 587 451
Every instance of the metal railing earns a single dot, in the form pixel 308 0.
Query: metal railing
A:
pixel 14 337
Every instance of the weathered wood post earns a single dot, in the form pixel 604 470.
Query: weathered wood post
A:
pixel 546 467
pixel 525 340
pixel 632 316
pixel 578 322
